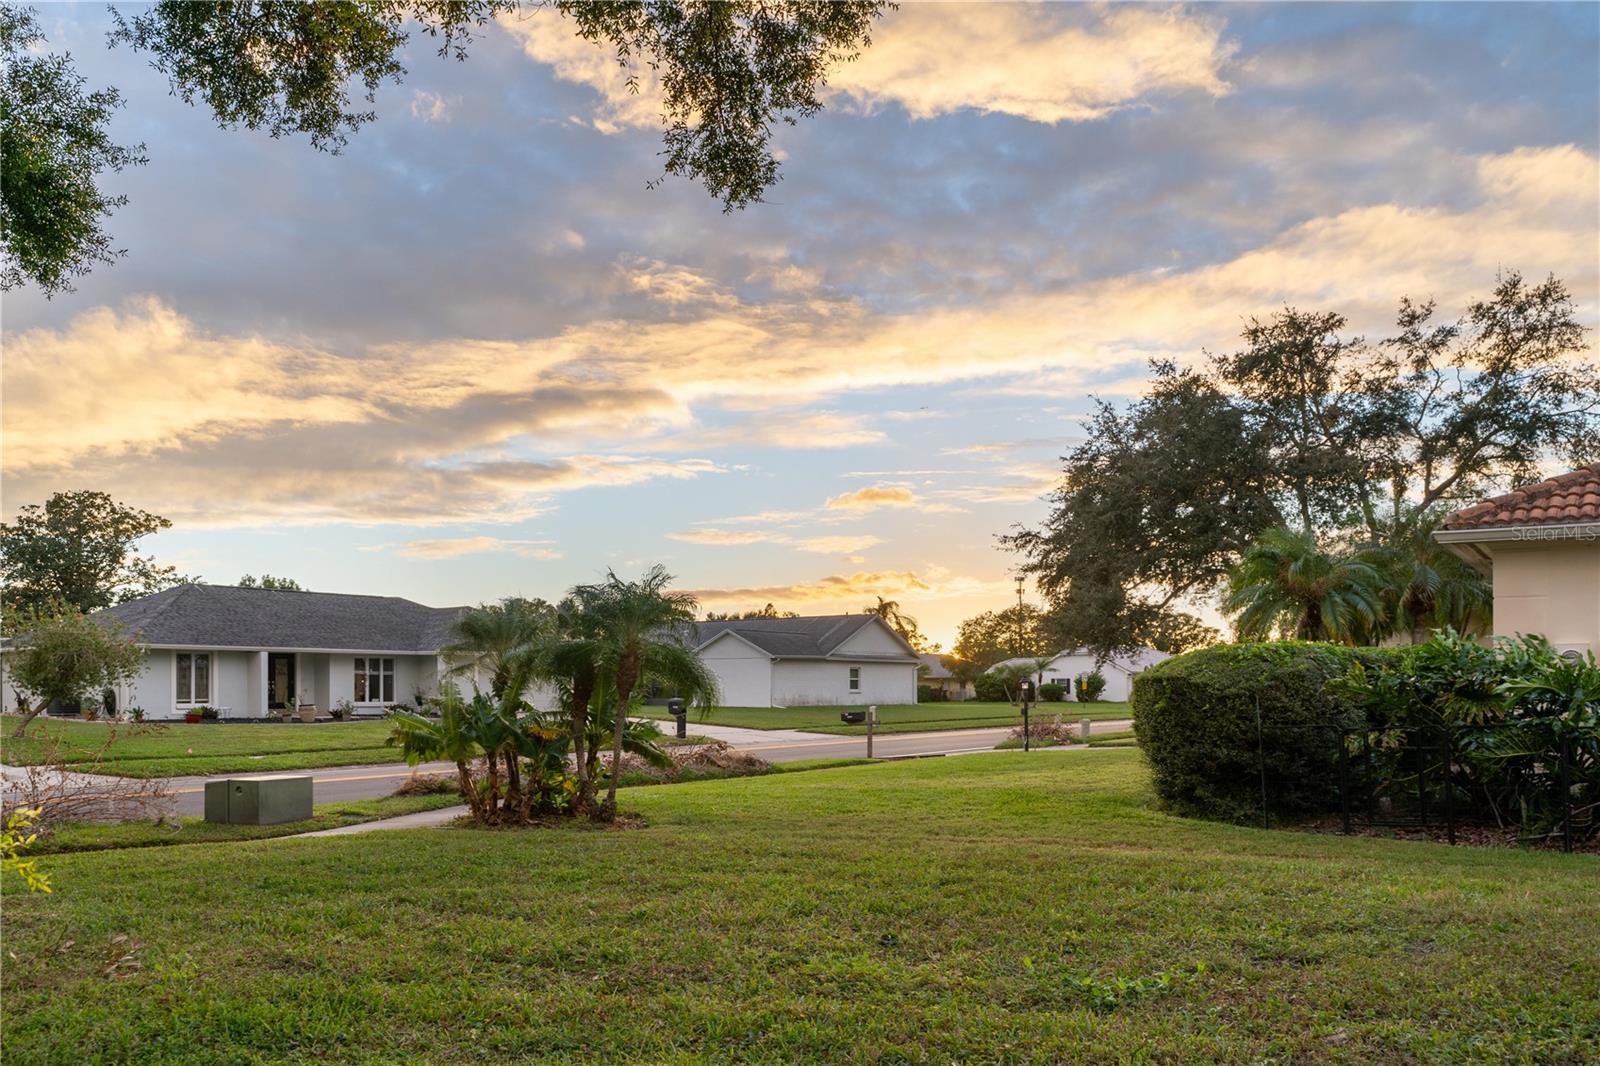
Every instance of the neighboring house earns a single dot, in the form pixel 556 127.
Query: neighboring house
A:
pixel 1065 667
pixel 1540 545
pixel 246 651
pixel 935 674
pixel 817 661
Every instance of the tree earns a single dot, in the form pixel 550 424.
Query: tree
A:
pixel 1426 586
pixel 1353 443
pixel 987 638
pixel 63 656
pixel 641 635
pixel 902 623
pixel 267 581
pixel 78 550
pixel 1289 584
pixel 55 149
pixel 728 71
pixel 1152 510
pixel 496 637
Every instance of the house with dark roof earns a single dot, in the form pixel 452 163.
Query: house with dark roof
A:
pixel 248 651
pixel 935 674
pixel 822 660
pixel 1540 544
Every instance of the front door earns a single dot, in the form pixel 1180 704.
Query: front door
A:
pixel 280 679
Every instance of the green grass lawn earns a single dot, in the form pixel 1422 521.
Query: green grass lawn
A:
pixel 149 833
pixel 897 717
pixel 990 908
pixel 178 748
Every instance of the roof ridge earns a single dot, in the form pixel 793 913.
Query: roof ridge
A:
pixel 1572 496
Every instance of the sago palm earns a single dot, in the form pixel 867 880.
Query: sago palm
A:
pixel 1287 583
pixel 641 632
pixel 1427 586
pixel 489 637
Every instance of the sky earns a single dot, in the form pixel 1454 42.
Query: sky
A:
pixel 474 355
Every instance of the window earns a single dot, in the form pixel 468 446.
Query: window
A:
pixel 855 679
pixel 374 680
pixel 194 677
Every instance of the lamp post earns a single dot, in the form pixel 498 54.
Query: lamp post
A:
pixel 1027 690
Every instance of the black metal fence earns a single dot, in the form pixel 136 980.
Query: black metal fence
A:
pixel 1427 779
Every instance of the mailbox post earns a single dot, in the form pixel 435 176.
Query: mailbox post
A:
pixel 1027 691
pixel 679 714
pixel 872 721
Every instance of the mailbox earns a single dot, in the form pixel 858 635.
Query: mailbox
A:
pixel 675 707
pixel 1027 688
pixel 852 717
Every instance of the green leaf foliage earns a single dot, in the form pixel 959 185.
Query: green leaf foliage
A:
pixel 1213 722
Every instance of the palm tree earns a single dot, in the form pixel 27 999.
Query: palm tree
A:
pixel 641 634
pixel 891 612
pixel 568 657
pixel 490 636
pixel 1289 583
pixel 1427 586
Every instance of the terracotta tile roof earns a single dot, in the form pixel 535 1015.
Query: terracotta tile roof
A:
pixel 1566 498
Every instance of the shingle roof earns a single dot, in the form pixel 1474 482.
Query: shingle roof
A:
pixel 937 671
pixel 224 616
pixel 1566 498
pixel 814 637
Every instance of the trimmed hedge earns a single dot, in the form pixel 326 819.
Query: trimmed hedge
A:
pixel 1195 717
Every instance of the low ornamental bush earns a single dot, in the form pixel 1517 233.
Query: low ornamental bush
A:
pixel 931 694
pixel 1052 692
pixel 990 689
pixel 1091 686
pixel 1196 719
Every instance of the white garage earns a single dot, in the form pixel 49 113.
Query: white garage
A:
pixel 823 660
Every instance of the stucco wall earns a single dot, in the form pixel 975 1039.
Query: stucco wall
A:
pixel 812 682
pixel 743 673
pixel 1549 587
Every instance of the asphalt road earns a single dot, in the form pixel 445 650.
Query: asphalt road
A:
pixel 367 782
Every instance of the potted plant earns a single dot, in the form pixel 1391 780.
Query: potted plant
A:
pixel 208 714
pixel 192 715
pixel 344 711
pixel 287 711
pixel 307 711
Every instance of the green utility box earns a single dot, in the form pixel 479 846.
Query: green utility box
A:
pixel 267 799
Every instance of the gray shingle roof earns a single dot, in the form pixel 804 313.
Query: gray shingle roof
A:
pixel 224 616
pixel 814 637
pixel 937 671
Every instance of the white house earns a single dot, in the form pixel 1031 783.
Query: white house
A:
pixel 1119 671
pixel 818 661
pixel 247 651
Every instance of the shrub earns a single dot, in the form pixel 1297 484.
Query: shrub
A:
pixel 931 694
pixel 1091 686
pixel 1196 720
pixel 1052 692
pixel 990 688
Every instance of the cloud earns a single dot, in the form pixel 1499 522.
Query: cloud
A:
pixel 453 547
pixel 1044 62
pixel 629 95
pixel 247 429
pixel 800 430
pixel 862 585
pixel 872 498
pixel 849 591
pixel 430 107
pixel 822 545
pixel 1048 63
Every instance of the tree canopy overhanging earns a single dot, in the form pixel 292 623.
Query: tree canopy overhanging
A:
pixel 728 72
